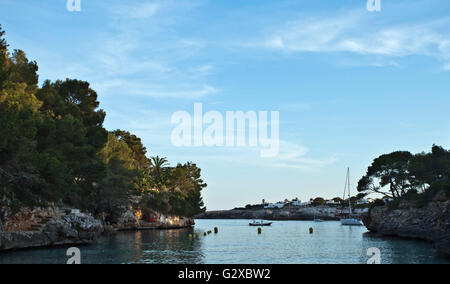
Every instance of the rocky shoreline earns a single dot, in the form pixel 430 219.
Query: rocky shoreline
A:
pixel 430 223
pixel 63 227
pixel 44 228
pixel 299 214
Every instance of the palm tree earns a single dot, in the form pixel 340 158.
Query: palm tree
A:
pixel 158 165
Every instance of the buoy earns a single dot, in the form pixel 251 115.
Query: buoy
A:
pixel 259 230
pixel 196 235
pixel 311 230
pixel 204 234
pixel 216 230
pixel 190 236
pixel 209 232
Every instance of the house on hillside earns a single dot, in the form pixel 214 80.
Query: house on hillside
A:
pixel 278 205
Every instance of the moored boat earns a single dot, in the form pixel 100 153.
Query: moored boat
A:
pixel 349 220
pixel 260 223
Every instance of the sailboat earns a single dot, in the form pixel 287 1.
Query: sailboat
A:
pixel 349 221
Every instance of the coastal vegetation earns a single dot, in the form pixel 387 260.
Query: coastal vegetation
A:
pixel 54 150
pixel 402 175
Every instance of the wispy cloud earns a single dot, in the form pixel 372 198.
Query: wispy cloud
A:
pixel 133 88
pixel 354 32
pixel 149 59
pixel 291 156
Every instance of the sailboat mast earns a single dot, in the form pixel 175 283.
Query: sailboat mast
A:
pixel 349 195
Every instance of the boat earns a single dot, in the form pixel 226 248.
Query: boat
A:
pixel 259 223
pixel 350 219
pixel 318 220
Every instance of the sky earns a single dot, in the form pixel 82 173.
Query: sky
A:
pixel 349 84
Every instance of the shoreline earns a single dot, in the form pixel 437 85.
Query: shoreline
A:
pixel 53 227
pixel 326 213
pixel 81 243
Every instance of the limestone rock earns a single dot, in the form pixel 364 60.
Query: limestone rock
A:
pixel 56 229
pixel 431 222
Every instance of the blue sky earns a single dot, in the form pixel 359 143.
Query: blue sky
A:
pixel 349 84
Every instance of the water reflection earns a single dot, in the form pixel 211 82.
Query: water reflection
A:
pixel 284 242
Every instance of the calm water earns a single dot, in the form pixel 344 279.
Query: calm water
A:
pixel 284 242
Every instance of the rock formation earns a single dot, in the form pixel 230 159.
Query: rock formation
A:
pixel 49 227
pixel 431 222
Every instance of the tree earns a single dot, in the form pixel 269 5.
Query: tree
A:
pixel 23 71
pixel 3 57
pixel 20 183
pixel 54 150
pixel 430 168
pixel 388 170
pixel 338 200
pixel 73 133
pixel 158 169
pixel 111 196
pixel 135 144
pixel 319 201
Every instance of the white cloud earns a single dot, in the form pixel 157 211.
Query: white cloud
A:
pixel 149 60
pixel 291 156
pixel 355 33
pixel 132 88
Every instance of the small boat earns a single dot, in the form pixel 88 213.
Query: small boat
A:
pixel 349 220
pixel 260 223
pixel 318 220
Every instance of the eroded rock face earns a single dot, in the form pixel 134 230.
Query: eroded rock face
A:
pixel 60 229
pixel 431 222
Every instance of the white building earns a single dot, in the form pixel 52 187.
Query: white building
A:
pixel 297 203
pixel 276 205
pixel 304 204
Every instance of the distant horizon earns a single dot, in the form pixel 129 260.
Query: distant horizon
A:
pixel 349 84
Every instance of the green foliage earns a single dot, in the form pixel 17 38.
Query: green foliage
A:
pixel 178 190
pixel 389 170
pixel 414 177
pixel 135 144
pixel 319 201
pixel 54 149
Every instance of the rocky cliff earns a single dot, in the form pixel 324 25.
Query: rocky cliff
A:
pixel 48 227
pixel 431 222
